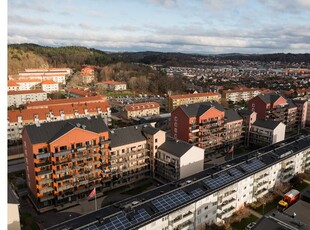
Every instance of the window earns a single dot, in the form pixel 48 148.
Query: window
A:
pixel 206 216
pixel 198 212
pixel 155 140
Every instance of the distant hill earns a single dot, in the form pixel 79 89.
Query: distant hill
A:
pixel 32 55
pixel 21 56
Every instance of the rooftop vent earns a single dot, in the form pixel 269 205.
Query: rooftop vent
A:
pixel 83 126
pixel 78 125
pixel 38 124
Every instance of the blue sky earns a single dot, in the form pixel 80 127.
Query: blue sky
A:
pixel 196 26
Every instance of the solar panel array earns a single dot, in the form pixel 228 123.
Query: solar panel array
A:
pixel 195 193
pixel 171 200
pixel 120 221
pixel 218 180
pixel 252 165
pixel 235 173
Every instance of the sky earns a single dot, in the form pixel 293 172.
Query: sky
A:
pixel 189 26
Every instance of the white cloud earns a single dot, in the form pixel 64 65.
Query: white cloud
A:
pixel 87 26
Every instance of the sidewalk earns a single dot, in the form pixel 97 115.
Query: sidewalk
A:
pixel 258 215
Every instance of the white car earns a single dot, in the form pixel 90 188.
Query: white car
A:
pixel 250 225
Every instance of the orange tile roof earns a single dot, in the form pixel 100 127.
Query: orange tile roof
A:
pixel 12 83
pixel 48 82
pixel 113 83
pixel 142 106
pixel 27 80
pixel 25 92
pixel 42 104
pixel 194 95
pixel 47 69
pixel 69 110
pixel 302 90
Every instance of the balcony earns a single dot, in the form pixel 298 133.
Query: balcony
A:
pixel 62 153
pixel 224 205
pixel 261 192
pixel 226 213
pixel 261 177
pixel 41 155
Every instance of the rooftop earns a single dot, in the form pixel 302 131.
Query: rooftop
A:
pixel 141 106
pixel 197 109
pixel 176 147
pixel 152 204
pixel 48 132
pixel 232 115
pixel 268 123
pixel 25 92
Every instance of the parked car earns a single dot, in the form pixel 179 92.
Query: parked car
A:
pixel 250 225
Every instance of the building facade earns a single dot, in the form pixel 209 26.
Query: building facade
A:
pixel 115 85
pixel 210 197
pixel 274 106
pixel 17 98
pixel 141 110
pixel 55 110
pixel 50 86
pixel 241 94
pixel 60 168
pixel 175 101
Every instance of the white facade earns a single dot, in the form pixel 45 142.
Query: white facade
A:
pixel 308 114
pixel 214 208
pixel 49 88
pixel 24 97
pixel 191 162
pixel 265 135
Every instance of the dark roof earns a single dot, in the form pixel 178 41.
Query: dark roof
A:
pixel 175 147
pixel 244 112
pixel 12 197
pixel 299 101
pixel 280 221
pixel 301 209
pixel 268 124
pixel 48 132
pixel 269 98
pixel 197 109
pixel 127 135
pixel 232 115
pixel 150 130
pixel 291 104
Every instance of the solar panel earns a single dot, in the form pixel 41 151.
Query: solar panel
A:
pixel 252 166
pixel 171 200
pixel 218 180
pixel 121 221
pixel 235 173
pixel 195 193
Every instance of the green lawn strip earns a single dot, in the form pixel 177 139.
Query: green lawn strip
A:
pixel 116 190
pixel 29 223
pixel 300 186
pixel 269 206
pixel 243 223
pixel 139 189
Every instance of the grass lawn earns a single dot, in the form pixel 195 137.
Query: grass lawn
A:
pixel 28 222
pixel 300 186
pixel 268 207
pixel 122 94
pixel 116 190
pixel 243 223
pixel 138 190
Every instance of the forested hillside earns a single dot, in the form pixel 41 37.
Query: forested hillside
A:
pixel 68 56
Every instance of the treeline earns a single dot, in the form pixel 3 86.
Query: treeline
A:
pixel 67 56
pixel 141 78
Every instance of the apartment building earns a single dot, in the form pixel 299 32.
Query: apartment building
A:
pixel 50 86
pixel 114 85
pixel 210 196
pixel 17 98
pixel 56 74
pixel 266 132
pixel 275 107
pixel 177 159
pixel 233 127
pixel 240 94
pixel 200 124
pixel 129 155
pixel 55 110
pixel 87 74
pixel 63 160
pixel 248 117
pixel 175 101
pixel 19 85
pixel 141 110
pixel 302 109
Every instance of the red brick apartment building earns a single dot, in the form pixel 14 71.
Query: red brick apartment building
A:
pixel 276 107
pixel 206 125
pixel 65 160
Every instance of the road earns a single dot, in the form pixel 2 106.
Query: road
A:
pixel 16 165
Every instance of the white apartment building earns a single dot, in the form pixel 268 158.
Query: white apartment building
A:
pixel 242 94
pixel 210 196
pixel 18 98
pixel 50 86
pixel 141 110
pixel 19 85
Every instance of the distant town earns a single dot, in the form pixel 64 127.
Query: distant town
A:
pixel 216 145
